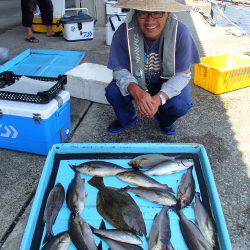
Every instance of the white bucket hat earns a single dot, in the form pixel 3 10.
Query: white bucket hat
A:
pixel 153 5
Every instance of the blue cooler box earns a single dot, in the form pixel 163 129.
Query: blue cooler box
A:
pixel 33 127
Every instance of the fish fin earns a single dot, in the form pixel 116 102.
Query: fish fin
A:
pixel 125 188
pixel 102 225
pixel 92 228
pixel 169 189
pixel 73 167
pixel 67 196
pixel 96 182
pixel 47 238
pixel 192 205
pixel 99 247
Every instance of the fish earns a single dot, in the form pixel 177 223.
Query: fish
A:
pixel 186 189
pixel 203 221
pixel 53 205
pixel 148 160
pixel 139 179
pixel 169 167
pixel 81 233
pixel 192 234
pixel 118 235
pixel 116 245
pixel 76 196
pixel 60 241
pixel 160 233
pixel 169 246
pixel 163 197
pixel 100 168
pixel 118 207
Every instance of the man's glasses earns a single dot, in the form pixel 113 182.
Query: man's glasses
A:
pixel 145 14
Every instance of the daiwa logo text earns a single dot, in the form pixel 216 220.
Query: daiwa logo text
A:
pixel 8 131
pixel 87 34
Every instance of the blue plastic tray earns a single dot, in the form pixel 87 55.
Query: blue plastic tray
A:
pixel 56 170
pixel 50 63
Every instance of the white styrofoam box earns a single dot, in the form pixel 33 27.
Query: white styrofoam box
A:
pixel 110 10
pixel 114 21
pixel 88 81
pixel 78 27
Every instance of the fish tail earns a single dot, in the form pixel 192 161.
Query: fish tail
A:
pixel 96 182
pixel 177 207
pixel 99 247
pixel 47 237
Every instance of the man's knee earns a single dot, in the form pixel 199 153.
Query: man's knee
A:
pixel 181 108
pixel 178 109
pixel 112 91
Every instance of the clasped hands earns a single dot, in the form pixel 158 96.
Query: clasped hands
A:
pixel 147 105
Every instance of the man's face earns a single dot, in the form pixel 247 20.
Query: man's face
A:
pixel 151 23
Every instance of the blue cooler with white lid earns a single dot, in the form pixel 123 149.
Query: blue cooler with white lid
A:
pixel 77 27
pixel 32 127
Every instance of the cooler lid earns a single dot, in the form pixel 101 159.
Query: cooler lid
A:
pixel 78 18
pixel 25 109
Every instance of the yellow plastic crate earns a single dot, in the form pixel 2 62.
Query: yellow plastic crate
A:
pixel 222 73
pixel 41 28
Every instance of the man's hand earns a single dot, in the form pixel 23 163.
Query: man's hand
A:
pixel 143 100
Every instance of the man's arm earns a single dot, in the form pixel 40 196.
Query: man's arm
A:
pixel 176 84
pixel 172 87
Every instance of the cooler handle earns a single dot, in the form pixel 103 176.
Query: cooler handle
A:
pixel 70 9
pixel 111 23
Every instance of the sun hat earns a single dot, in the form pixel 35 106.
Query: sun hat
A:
pixel 153 5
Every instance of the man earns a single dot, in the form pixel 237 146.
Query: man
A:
pixel 151 57
pixel 46 9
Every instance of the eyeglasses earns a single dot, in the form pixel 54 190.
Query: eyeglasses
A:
pixel 145 14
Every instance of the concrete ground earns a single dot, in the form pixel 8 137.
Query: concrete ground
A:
pixel 220 123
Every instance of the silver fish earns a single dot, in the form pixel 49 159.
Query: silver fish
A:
pixel 118 207
pixel 60 241
pixel 116 245
pixel 148 160
pixel 159 196
pixel 203 221
pixel 169 167
pixel 53 205
pixel 80 233
pixel 186 189
pixel 160 234
pixel 139 179
pixel 192 235
pixel 75 197
pixel 118 235
pixel 100 168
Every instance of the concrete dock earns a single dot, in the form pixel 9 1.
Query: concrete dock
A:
pixel 219 122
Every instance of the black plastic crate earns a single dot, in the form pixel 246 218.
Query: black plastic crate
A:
pixel 7 78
